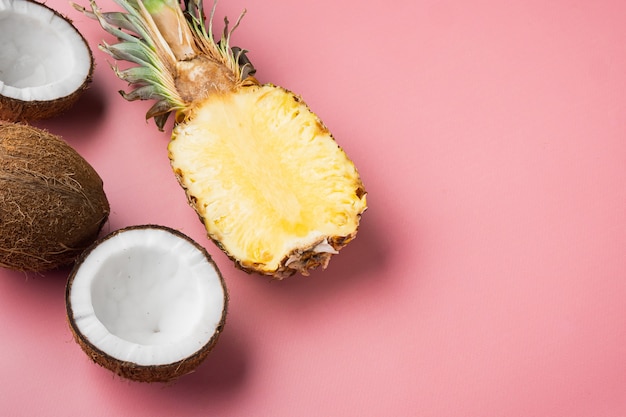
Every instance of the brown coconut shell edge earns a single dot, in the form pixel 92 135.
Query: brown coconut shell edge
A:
pixel 130 370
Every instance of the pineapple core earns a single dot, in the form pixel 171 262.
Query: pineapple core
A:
pixel 267 178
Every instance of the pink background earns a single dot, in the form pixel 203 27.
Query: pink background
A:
pixel 488 278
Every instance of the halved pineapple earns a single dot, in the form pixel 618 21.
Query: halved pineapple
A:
pixel 272 187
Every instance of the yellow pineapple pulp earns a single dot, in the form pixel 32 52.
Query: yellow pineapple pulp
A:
pixel 270 185
pixel 273 188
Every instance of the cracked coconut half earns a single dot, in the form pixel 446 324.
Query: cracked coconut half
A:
pixel 147 303
pixel 45 63
pixel 274 190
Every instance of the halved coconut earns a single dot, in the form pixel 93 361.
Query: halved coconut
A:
pixel 45 63
pixel 146 302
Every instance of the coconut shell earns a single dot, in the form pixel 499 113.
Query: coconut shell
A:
pixel 52 202
pixel 130 370
pixel 16 110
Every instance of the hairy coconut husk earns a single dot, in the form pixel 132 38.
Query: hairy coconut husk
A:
pixel 52 202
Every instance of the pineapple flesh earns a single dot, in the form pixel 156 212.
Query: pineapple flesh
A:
pixel 271 185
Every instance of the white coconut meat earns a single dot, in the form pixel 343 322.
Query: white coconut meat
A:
pixel 146 296
pixel 42 55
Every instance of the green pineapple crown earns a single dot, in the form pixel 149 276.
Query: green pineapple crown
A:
pixel 159 36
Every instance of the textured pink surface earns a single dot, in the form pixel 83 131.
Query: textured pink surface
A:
pixel 488 278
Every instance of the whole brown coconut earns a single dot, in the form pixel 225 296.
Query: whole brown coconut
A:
pixel 52 202
pixel 45 63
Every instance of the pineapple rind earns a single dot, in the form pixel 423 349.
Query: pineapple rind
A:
pixel 269 182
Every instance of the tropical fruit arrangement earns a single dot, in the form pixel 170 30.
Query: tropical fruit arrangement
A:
pixel 273 189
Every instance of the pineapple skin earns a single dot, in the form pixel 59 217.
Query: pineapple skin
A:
pixel 310 246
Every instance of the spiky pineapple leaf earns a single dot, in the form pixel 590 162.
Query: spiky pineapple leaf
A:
pixel 141 42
